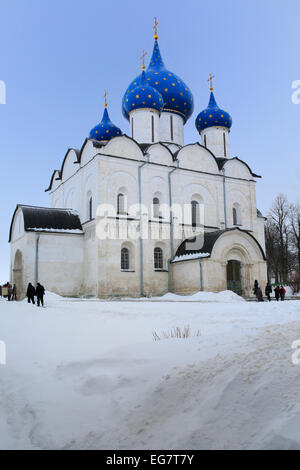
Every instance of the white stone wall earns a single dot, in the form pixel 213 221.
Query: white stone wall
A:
pixel 60 263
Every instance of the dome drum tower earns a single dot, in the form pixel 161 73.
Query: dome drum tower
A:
pixel 161 120
pixel 171 128
pixel 144 125
pixel 213 124
pixel 216 139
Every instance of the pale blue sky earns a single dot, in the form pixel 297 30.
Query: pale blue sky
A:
pixel 57 57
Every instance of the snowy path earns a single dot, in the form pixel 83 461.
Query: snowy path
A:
pixel 88 375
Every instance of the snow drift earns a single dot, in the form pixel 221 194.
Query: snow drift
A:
pixel 88 375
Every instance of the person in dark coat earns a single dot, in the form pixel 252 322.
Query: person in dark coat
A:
pixel 9 291
pixel 40 292
pixel 282 292
pixel 268 291
pixel 30 293
pixel 277 293
pixel 14 292
pixel 259 294
pixel 255 287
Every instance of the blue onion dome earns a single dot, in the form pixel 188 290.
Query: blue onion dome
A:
pixel 177 97
pixel 144 96
pixel 105 130
pixel 212 116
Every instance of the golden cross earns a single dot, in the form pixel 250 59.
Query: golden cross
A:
pixel 105 99
pixel 211 76
pixel 155 28
pixel 143 59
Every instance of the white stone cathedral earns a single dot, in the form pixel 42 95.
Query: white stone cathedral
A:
pixel 114 226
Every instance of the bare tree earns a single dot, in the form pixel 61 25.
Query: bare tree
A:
pixel 281 258
pixel 294 218
pixel 272 250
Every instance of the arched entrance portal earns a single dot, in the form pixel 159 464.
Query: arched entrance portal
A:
pixel 234 281
pixel 18 273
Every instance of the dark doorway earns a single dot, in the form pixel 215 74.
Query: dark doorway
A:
pixel 234 276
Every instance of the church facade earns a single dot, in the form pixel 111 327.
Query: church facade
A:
pixel 144 214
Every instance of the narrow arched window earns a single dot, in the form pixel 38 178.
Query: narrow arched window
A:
pixel 171 128
pixel 224 143
pixel 155 204
pixel 152 127
pixel 235 216
pixel 125 260
pixel 195 213
pixel 158 258
pixel 90 208
pixel 132 127
pixel 121 203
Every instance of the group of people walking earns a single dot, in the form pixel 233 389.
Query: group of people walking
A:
pixel 37 292
pixel 8 291
pixel 279 292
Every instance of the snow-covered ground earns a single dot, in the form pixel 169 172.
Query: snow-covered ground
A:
pixel 86 374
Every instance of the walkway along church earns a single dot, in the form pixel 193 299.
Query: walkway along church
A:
pixel 59 246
